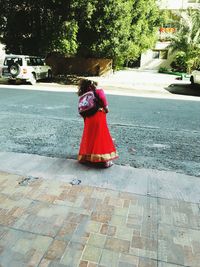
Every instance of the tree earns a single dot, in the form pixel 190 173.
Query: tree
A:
pixel 117 29
pixel 104 28
pixel 33 27
pixel 187 38
pixel 144 27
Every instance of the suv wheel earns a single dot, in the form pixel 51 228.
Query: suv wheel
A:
pixel 14 70
pixel 33 79
pixel 49 76
pixel 192 80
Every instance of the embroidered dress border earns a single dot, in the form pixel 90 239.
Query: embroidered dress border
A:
pixel 98 157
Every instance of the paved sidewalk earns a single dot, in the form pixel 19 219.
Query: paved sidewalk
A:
pixel 52 223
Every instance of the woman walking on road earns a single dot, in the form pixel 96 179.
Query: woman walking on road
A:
pixel 96 144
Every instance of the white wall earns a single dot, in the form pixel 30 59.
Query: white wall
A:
pixel 2 55
pixel 173 4
pixel 149 63
pixel 177 4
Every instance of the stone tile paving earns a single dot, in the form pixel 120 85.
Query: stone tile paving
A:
pixel 47 223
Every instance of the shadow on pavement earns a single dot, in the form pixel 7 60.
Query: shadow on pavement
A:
pixel 184 89
pixel 68 79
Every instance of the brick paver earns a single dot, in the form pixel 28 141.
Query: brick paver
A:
pixel 45 223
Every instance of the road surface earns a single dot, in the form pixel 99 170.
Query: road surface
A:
pixel 161 134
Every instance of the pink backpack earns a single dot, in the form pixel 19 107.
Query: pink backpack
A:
pixel 88 104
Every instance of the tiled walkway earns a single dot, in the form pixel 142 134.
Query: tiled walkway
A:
pixel 49 223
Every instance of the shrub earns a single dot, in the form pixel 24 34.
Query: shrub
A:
pixel 162 70
pixel 179 64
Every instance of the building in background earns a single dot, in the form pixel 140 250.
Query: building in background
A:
pixel 178 4
pixel 161 55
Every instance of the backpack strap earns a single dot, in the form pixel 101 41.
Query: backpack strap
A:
pixel 97 98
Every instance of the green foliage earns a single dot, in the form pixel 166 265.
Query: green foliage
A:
pixel 104 28
pixel 117 29
pixel 180 62
pixel 33 27
pixel 187 38
pixel 163 70
pixel 67 42
pixel 144 26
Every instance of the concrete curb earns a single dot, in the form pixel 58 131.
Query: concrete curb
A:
pixel 162 184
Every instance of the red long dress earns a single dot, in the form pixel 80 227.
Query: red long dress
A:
pixel 96 143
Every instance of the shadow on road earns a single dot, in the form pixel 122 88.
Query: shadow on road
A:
pixel 184 89
pixel 18 82
pixel 60 79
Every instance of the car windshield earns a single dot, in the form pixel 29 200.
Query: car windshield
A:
pixel 12 60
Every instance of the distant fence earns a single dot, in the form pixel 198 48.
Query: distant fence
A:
pixel 80 66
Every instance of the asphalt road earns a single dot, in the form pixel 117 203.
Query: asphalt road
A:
pixel 161 134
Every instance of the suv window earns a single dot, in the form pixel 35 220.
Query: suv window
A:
pixel 31 61
pixel 40 62
pixel 11 60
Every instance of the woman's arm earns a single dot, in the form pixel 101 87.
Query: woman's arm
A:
pixel 103 101
pixel 106 109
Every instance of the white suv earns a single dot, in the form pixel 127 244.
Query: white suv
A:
pixel 195 76
pixel 26 68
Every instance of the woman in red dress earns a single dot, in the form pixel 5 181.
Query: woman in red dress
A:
pixel 96 144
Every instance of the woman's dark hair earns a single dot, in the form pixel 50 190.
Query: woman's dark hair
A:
pixel 85 86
